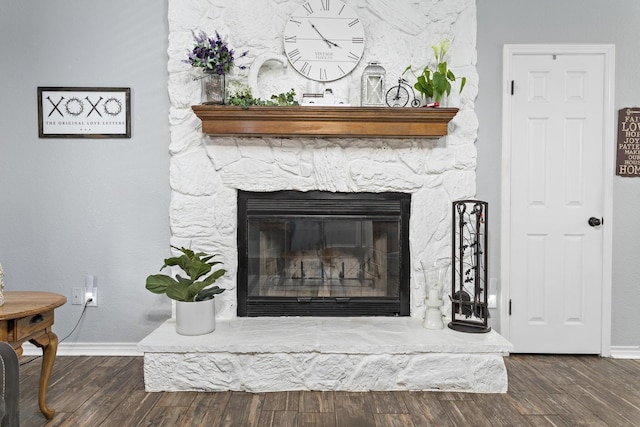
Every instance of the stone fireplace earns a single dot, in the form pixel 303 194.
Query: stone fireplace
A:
pixel 209 173
pixel 206 172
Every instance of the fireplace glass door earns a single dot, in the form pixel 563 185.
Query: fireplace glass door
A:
pixel 322 254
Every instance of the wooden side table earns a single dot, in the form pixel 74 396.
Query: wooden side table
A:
pixel 28 316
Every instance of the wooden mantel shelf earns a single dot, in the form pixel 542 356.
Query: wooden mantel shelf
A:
pixel 333 122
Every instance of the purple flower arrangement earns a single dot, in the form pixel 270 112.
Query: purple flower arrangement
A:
pixel 212 54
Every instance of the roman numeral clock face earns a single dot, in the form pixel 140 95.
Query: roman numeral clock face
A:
pixel 324 40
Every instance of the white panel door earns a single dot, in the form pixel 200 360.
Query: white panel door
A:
pixel 556 186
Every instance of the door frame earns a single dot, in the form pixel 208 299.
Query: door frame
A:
pixel 609 138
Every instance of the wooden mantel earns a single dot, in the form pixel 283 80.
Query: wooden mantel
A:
pixel 336 122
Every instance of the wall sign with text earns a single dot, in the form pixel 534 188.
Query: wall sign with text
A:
pixel 76 112
pixel 628 159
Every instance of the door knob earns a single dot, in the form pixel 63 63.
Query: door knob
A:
pixel 594 222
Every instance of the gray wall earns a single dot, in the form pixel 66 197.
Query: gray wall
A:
pixel 71 207
pixel 567 21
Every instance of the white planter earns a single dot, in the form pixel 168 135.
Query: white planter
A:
pixel 195 318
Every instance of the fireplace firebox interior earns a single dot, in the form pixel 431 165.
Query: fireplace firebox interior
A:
pixel 323 254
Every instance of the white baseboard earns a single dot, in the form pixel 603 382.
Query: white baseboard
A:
pixel 88 349
pixel 625 352
pixel 131 349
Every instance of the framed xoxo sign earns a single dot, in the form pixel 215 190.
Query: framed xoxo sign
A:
pixel 82 112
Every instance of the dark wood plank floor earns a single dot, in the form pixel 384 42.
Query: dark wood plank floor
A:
pixel 543 391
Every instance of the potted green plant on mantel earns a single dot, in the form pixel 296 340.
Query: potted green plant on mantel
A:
pixel 435 83
pixel 194 294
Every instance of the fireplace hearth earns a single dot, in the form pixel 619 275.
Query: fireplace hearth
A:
pixel 323 254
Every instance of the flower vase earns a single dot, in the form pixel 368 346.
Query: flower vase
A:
pixel 212 88
pixel 434 283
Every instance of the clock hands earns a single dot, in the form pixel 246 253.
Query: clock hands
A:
pixel 329 42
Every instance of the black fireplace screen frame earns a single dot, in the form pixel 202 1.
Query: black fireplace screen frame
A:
pixel 331 205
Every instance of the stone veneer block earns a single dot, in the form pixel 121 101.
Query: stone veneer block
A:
pixel 349 354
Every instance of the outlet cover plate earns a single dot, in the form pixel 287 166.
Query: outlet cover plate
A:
pixel 77 296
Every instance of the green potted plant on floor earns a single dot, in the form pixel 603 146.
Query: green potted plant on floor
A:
pixel 194 294
pixel 434 83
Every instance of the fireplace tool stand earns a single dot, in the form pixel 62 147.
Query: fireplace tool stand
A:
pixel 469 308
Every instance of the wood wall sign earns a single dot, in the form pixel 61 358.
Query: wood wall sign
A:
pixel 628 159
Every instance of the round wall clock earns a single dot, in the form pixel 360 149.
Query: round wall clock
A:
pixel 324 39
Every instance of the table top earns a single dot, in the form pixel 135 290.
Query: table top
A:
pixel 25 303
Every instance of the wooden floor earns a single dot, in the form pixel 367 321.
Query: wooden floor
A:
pixel 543 391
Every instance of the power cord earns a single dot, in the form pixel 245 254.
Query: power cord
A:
pixel 84 310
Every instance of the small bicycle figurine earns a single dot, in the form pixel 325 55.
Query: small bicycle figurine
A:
pixel 398 96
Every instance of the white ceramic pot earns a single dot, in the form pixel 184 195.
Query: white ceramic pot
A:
pixel 195 318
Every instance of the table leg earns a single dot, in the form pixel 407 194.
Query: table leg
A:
pixel 49 344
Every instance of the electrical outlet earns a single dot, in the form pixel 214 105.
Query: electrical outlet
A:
pixel 77 296
pixel 91 291
pixel 94 298
pixel 492 301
